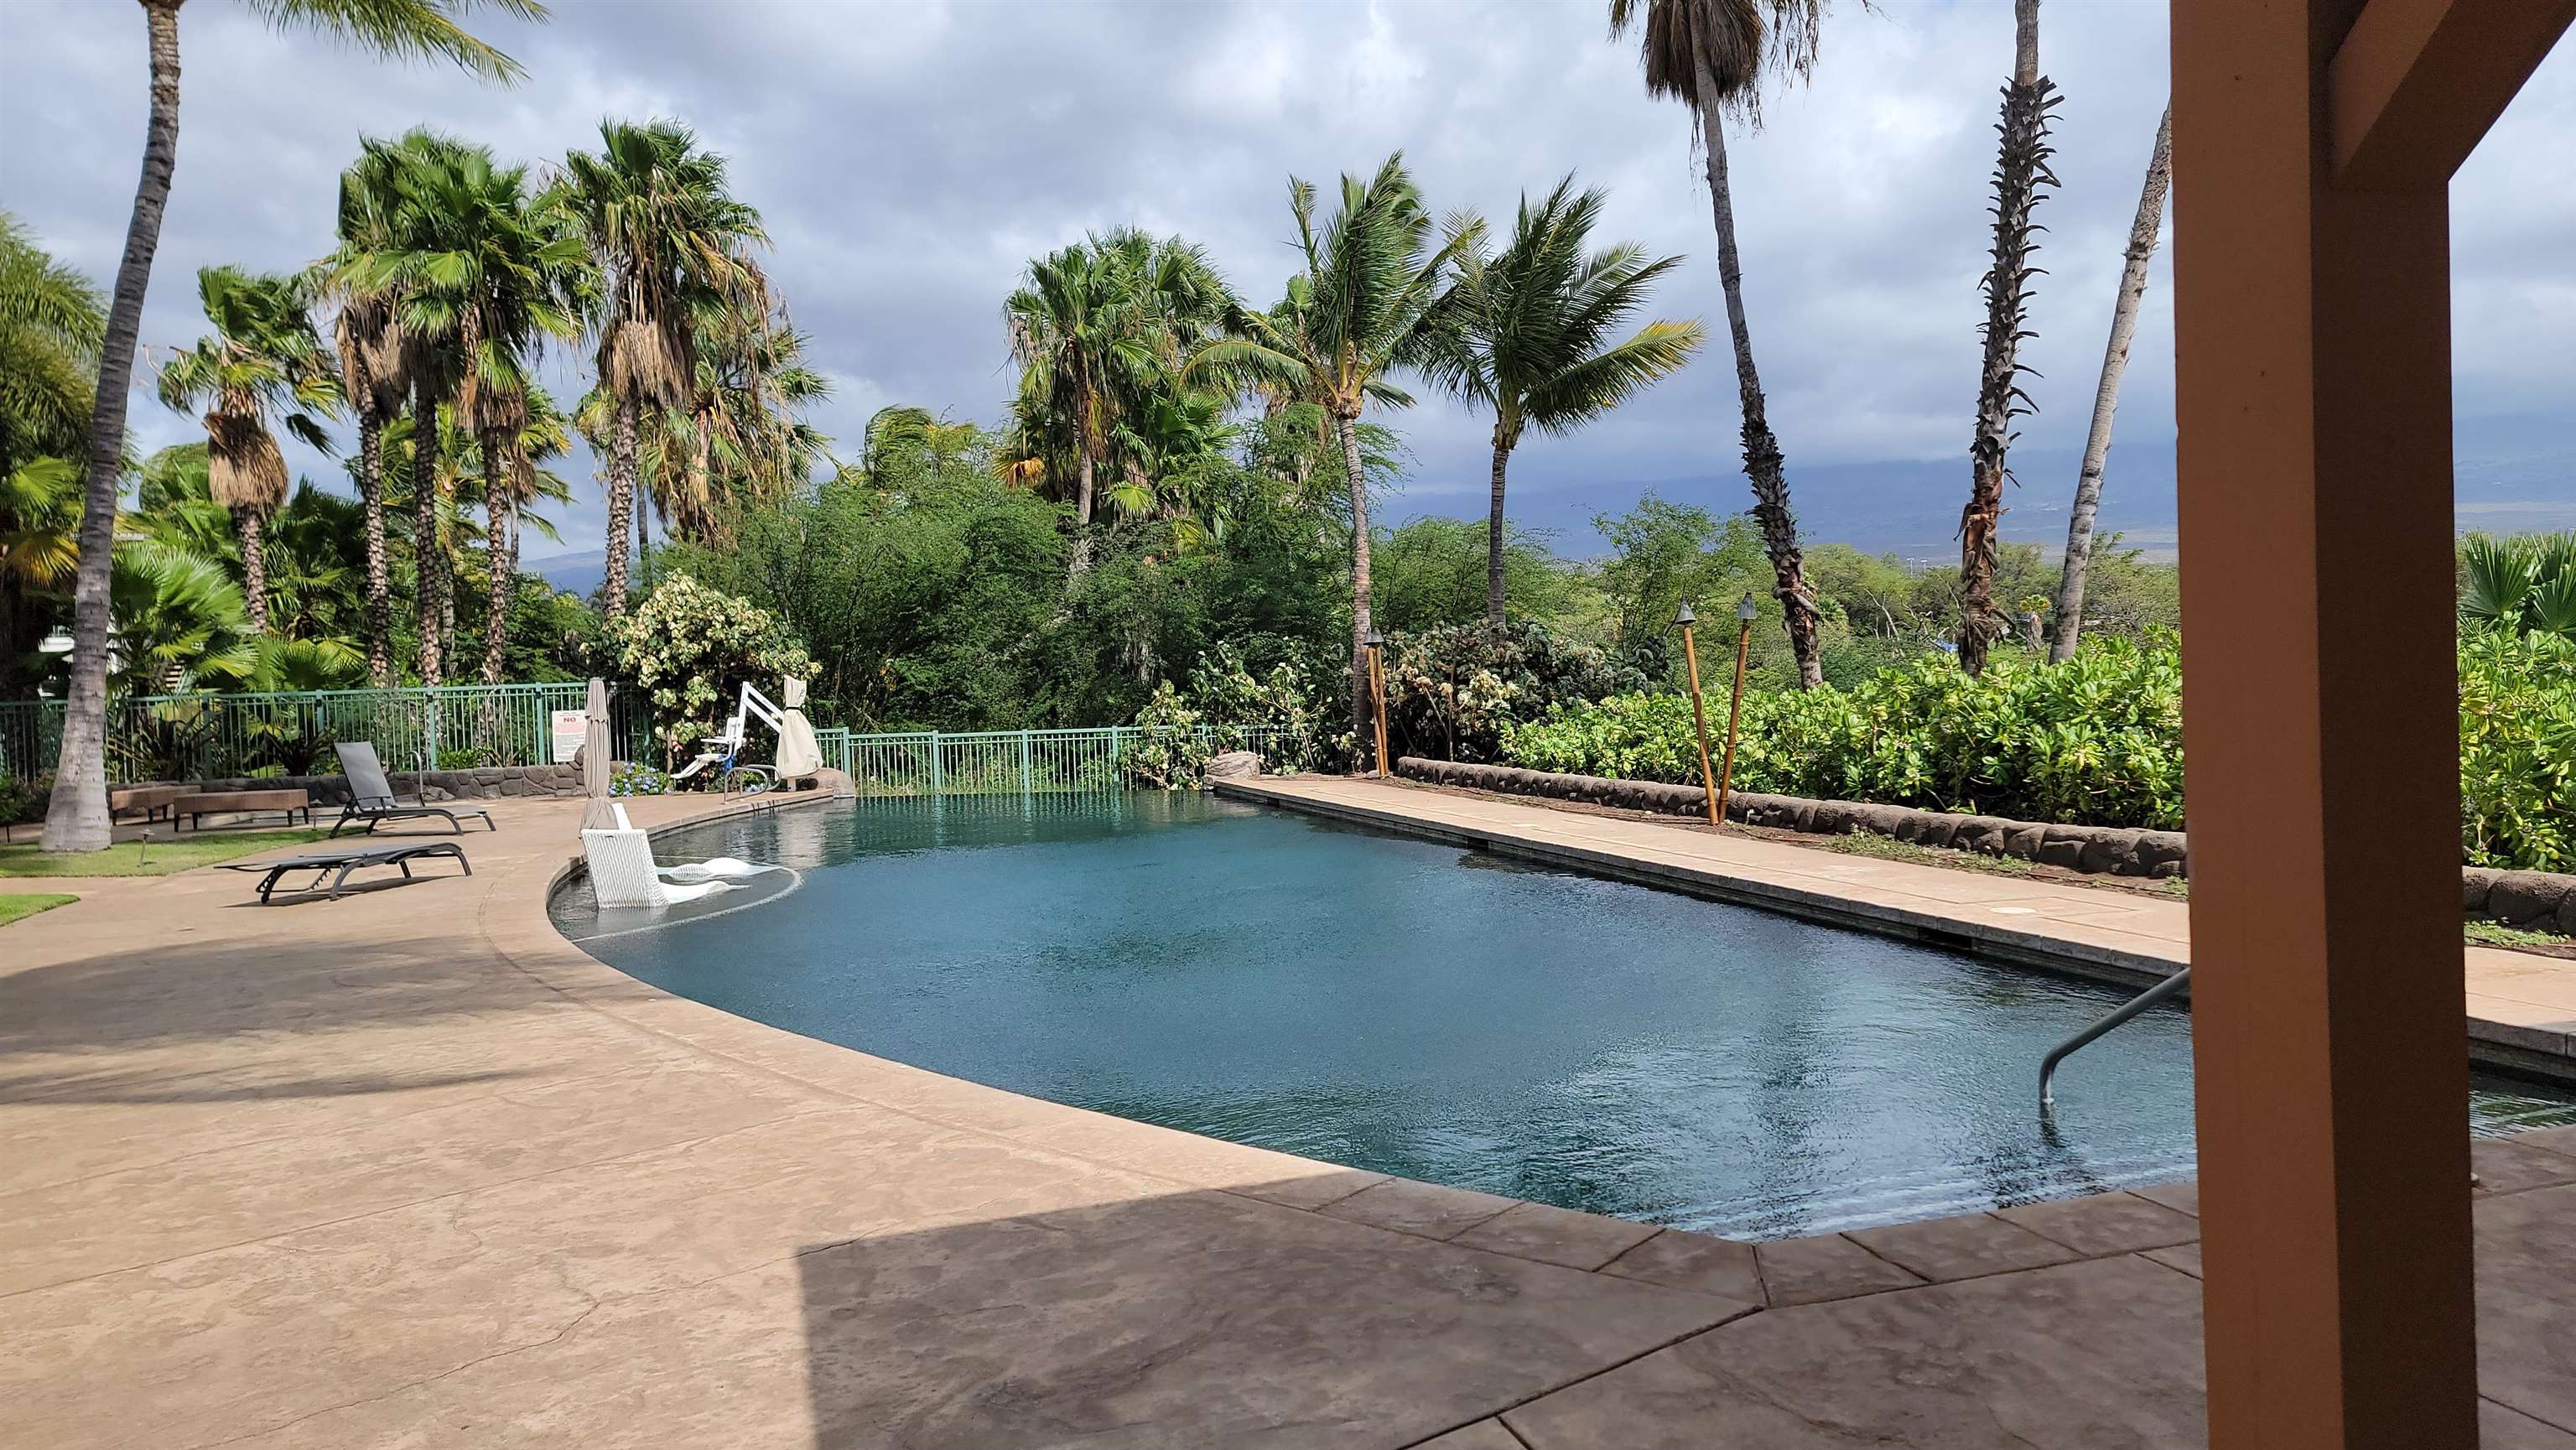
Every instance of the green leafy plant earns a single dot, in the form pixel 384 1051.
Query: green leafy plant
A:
pixel 2518 750
pixel 1170 753
pixel 2097 740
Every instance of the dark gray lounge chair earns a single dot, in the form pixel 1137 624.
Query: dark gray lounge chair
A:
pixel 345 859
pixel 372 798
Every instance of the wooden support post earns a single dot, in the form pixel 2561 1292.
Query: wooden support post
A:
pixel 2313 397
pixel 1734 715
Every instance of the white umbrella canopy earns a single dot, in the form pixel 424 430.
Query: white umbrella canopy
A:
pixel 595 814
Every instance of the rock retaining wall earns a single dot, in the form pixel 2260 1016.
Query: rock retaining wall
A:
pixel 2536 899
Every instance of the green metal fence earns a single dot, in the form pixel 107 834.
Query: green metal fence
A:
pixel 217 737
pixel 1023 762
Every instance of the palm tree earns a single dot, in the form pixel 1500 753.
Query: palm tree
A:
pixel 262 357
pixel 484 268
pixel 76 817
pixel 2523 582
pixel 672 244
pixel 51 320
pixel 1095 327
pixel 2021 174
pixel 1528 335
pixel 1712 56
pixel 373 351
pixel 1362 310
pixel 2069 626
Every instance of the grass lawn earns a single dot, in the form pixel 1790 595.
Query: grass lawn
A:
pixel 157 857
pixel 14 907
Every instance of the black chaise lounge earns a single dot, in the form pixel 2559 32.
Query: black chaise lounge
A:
pixel 345 859
pixel 372 798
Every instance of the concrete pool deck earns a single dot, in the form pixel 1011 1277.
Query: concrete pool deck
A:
pixel 409 1169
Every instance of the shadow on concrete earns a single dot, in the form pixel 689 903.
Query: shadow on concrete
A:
pixel 189 991
pixel 140 1087
pixel 1199 1319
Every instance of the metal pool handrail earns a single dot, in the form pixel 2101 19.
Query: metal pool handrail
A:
pixel 2126 1010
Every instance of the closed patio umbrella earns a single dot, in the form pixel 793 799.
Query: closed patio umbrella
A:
pixel 595 815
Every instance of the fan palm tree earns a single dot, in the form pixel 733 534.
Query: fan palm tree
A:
pixel 1528 331
pixel 263 357
pixel 2143 229
pixel 2021 174
pixel 1361 311
pixel 484 268
pixel 1095 327
pixel 76 818
pixel 673 244
pixel 374 352
pixel 1713 56
pixel 2524 582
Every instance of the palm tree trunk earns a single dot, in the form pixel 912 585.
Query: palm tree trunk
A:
pixel 497 509
pixel 1082 518
pixel 1763 465
pixel 254 552
pixel 429 552
pixel 2021 169
pixel 2106 396
pixel 76 816
pixel 1494 535
pixel 621 497
pixel 1348 428
pixel 371 500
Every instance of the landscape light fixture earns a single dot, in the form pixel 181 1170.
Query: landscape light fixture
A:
pixel 1683 619
pixel 1376 643
pixel 1744 613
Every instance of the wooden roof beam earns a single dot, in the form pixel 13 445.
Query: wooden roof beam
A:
pixel 2416 84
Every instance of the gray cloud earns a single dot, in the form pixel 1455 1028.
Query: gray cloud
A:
pixel 911 157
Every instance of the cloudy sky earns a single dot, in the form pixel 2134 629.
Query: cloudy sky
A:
pixel 910 157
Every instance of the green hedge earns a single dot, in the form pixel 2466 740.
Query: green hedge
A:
pixel 2097 741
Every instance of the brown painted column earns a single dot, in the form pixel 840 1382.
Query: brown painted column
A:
pixel 2321 720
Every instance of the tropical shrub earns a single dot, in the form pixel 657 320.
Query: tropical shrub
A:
pixel 1295 708
pixel 2097 741
pixel 691 647
pixel 2518 750
pixel 1452 690
pixel 1170 754
pixel 24 800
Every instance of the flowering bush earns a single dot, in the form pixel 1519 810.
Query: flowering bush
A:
pixel 638 780
pixel 691 647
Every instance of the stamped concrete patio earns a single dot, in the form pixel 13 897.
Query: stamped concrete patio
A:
pixel 408 1169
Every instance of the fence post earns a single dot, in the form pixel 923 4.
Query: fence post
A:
pixel 1028 783
pixel 938 780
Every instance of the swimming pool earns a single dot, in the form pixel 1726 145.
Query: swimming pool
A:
pixel 1418 1009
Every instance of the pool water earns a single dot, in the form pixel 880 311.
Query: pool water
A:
pixel 1438 1013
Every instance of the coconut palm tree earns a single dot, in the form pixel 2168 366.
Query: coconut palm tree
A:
pixel 1529 335
pixel 373 352
pixel 1713 56
pixel 76 818
pixel 673 244
pixel 2021 177
pixel 1361 311
pixel 51 321
pixel 2143 229
pixel 263 358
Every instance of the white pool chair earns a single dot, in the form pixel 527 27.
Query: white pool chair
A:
pixel 623 872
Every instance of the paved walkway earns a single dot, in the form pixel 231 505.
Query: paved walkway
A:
pixel 2515 1001
pixel 406 1169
